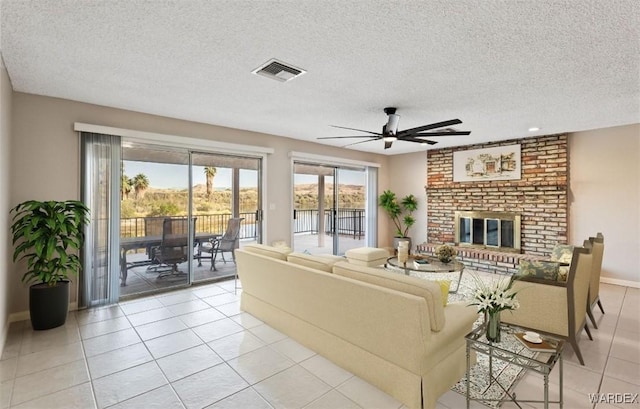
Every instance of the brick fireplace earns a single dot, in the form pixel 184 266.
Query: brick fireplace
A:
pixel 539 198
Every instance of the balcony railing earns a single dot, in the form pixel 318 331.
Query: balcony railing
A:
pixel 348 222
pixel 208 223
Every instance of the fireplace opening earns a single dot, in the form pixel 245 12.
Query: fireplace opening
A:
pixel 491 230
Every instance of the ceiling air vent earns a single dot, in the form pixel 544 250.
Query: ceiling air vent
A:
pixel 278 70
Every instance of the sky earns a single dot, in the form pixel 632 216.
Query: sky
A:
pixel 171 176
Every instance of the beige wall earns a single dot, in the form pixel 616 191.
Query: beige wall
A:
pixel 45 165
pixel 47 152
pixel 408 175
pixel 605 196
pixel 5 174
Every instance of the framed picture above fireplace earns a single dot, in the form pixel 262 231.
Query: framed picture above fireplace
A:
pixel 497 163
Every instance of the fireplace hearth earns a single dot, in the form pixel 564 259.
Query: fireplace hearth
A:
pixel 488 230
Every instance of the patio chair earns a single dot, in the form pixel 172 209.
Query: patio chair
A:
pixel 551 306
pixel 173 249
pixel 229 242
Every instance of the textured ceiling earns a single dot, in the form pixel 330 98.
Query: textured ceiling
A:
pixel 500 66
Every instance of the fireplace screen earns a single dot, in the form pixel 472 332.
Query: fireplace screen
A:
pixel 495 230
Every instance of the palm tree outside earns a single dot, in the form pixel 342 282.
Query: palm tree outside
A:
pixel 210 173
pixel 125 187
pixel 140 184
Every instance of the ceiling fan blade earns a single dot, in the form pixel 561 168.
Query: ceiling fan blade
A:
pixel 443 133
pixel 430 126
pixel 355 143
pixel 387 144
pixel 412 139
pixel 354 136
pixel 355 129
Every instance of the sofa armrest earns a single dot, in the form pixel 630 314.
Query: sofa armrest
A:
pixel 459 318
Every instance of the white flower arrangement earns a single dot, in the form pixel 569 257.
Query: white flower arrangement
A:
pixel 445 252
pixel 495 296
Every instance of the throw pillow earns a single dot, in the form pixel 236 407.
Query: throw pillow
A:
pixel 563 272
pixel 562 253
pixel 444 287
pixel 547 270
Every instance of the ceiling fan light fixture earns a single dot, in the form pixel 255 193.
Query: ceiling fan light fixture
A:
pixel 390 139
pixel 392 125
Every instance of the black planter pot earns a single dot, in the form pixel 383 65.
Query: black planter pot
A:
pixel 48 305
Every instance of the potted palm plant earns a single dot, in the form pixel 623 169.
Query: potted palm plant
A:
pixel 400 213
pixel 47 235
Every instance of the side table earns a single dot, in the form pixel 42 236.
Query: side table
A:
pixel 513 352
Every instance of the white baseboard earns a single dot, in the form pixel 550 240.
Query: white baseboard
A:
pixel 24 315
pixel 624 283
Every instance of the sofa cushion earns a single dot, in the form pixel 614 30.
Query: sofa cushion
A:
pixel 323 262
pixel 429 290
pixel 367 256
pixel 279 253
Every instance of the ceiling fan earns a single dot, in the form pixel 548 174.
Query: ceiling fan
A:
pixel 391 134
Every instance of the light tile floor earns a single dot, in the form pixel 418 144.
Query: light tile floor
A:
pixel 194 348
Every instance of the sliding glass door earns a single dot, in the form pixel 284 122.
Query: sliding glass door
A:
pixel 350 209
pixel 329 208
pixel 156 226
pixel 313 191
pixel 161 216
pixel 224 188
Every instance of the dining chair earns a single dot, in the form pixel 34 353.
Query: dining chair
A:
pixel 173 248
pixel 227 243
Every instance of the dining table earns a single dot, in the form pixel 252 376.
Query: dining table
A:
pixel 148 242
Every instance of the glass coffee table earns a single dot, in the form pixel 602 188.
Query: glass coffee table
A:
pixel 429 268
pixel 511 351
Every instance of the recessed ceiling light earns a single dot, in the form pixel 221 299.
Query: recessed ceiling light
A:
pixel 534 129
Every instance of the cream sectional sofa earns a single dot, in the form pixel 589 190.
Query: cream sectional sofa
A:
pixel 390 330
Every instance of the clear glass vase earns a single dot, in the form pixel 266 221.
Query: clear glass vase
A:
pixel 492 321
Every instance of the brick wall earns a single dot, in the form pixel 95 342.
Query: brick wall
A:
pixel 540 196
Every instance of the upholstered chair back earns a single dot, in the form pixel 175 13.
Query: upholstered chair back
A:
pixel 578 282
pixel 596 267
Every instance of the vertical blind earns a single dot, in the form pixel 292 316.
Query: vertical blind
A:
pixel 101 193
pixel 371 211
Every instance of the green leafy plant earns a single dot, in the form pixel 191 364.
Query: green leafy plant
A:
pixel 396 211
pixel 44 233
